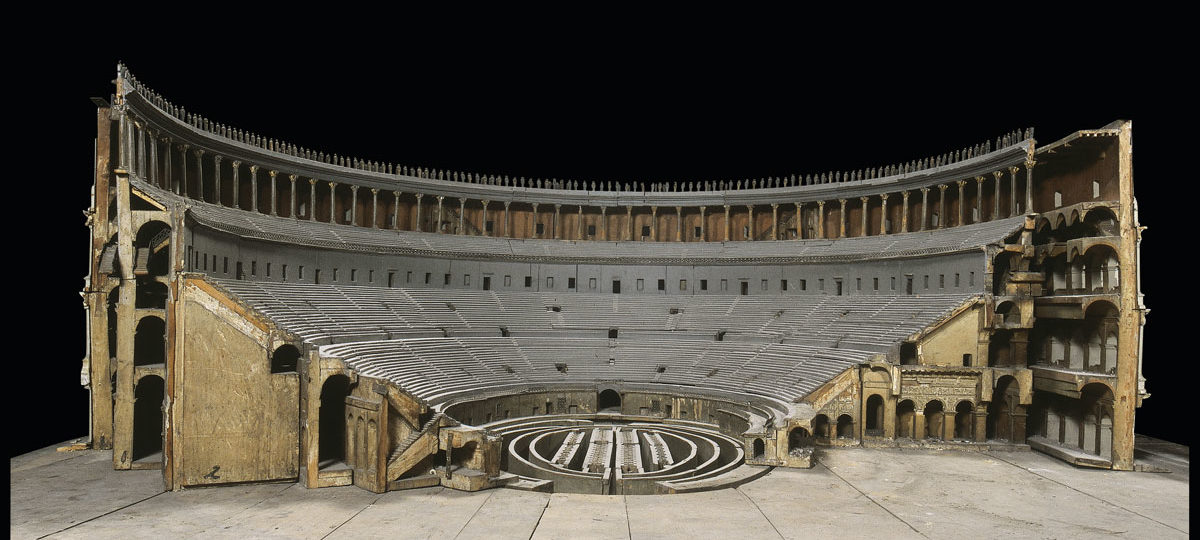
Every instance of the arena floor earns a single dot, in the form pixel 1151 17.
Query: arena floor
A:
pixel 852 492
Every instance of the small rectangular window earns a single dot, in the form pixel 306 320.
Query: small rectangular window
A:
pixel 268 269
pixel 858 284
pixel 539 229
pixel 489 226
pixel 1057 199
pixel 226 265
pixel 662 284
pixel 875 284
pixel 972 279
pixel 570 283
pixel 783 284
pixel 254 268
pixel 683 284
pixel 528 281
pixel 407 276
pixel 724 284
pixel 966 360
pixel 466 280
pixel 283 271
pixel 641 284
pixel 335 274
pixel 941 281
pixel 926 281
pixel 204 259
pixel 804 284
pixel 591 230
pixel 1095 189
pixel 696 232
pixel 301 271
pixel 764 285
pixel 645 230
pixel 820 284
pixel 353 274
pixel 592 283
pixel 428 276
pixel 391 282
pixel 370 276
pixel 893 283
pixel 550 282
pixel 956 282
pixel 508 281
pixel 446 279
pixel 704 284
pixel 616 286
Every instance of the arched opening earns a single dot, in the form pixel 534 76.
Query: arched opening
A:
pixel 1096 403
pixel 1000 349
pixel 875 415
pixel 148 419
pixel 964 427
pixel 152 249
pixel 934 420
pixel 149 342
pixel 332 436
pixel 608 400
pixel 150 293
pixel 798 438
pixel 1102 222
pixel 905 419
pixel 845 427
pixel 1008 313
pixel 285 359
pixel 1005 402
pixel 760 449
pixel 820 425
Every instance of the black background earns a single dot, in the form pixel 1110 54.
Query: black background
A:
pixel 533 107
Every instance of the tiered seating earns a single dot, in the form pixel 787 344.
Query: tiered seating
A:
pixel 346 237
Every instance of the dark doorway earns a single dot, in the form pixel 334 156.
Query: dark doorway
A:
pixel 487 283
pixel 608 399
pixel 332 432
pixel 745 288
pixel 616 288
pixel 148 418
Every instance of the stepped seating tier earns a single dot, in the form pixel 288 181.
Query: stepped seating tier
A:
pixel 254 225
pixel 447 345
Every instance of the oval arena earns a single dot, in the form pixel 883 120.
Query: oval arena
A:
pixel 260 311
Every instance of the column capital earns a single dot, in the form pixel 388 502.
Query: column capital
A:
pixel 557 206
pixel 293 177
pixel 750 207
pixel 485 202
pixel 726 208
pixel 236 163
pixel 374 191
pixel 272 173
pixel 944 187
pixel 883 196
pixel 440 197
pixel 418 196
pixel 253 169
pixel 843 201
pixel 198 152
pixel 979 179
pixel 1029 163
pixel 961 183
pixel 353 187
pixel 535 205
pixel 332 183
pixel 820 204
pixel 864 199
pixel 506 203
pixel 924 190
pixel 774 205
pixel 678 209
pixel 217 158
pixel 904 194
pixel 312 181
pixel 397 193
pixel 603 210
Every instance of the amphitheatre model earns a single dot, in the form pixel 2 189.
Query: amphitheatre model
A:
pixel 260 311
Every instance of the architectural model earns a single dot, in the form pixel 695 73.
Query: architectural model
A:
pixel 260 311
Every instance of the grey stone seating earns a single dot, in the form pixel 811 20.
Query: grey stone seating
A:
pixel 347 237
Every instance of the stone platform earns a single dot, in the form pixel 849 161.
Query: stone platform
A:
pixel 850 493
